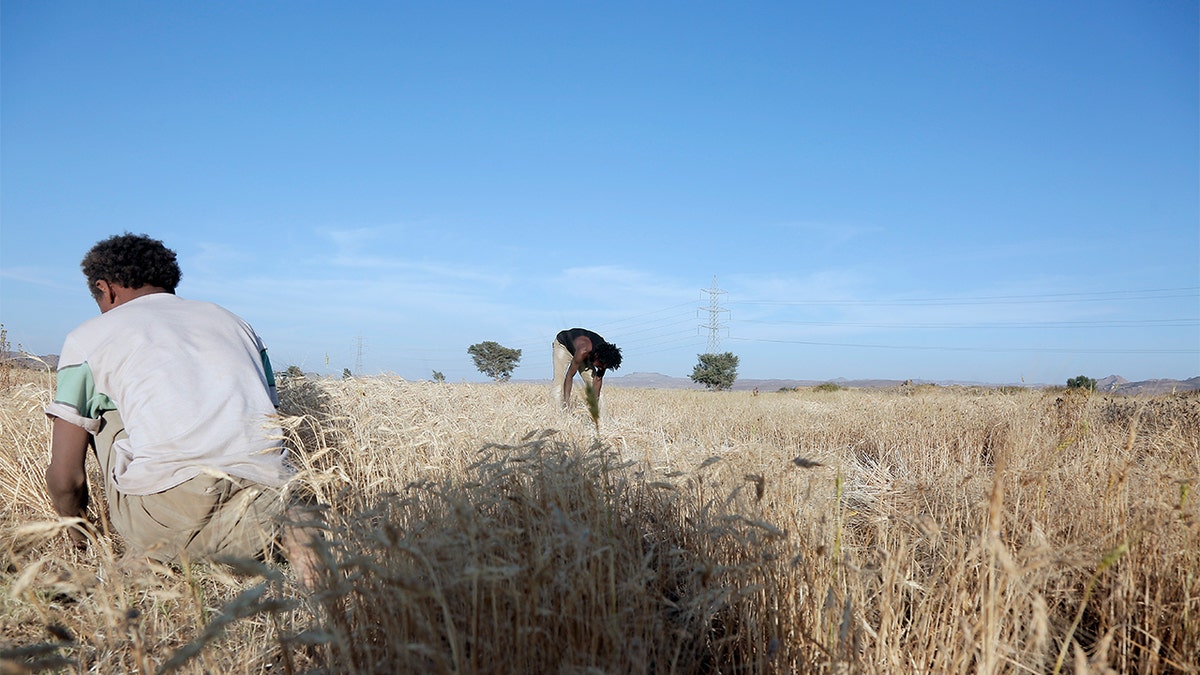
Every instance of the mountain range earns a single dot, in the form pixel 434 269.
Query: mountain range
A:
pixel 1113 384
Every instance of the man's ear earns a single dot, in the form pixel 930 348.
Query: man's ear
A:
pixel 106 295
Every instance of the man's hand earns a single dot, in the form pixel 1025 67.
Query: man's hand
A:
pixel 80 534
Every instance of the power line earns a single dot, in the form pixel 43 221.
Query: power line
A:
pixel 1052 350
pixel 1116 323
pixel 638 328
pixel 635 317
pixel 1039 298
pixel 664 330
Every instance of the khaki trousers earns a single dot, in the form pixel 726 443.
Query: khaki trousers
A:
pixel 204 517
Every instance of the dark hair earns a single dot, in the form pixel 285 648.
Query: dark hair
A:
pixel 132 261
pixel 608 354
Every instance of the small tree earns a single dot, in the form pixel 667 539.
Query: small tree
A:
pixel 494 360
pixel 293 371
pixel 346 374
pixel 439 377
pixel 1082 382
pixel 716 371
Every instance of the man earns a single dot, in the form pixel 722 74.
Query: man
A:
pixel 583 351
pixel 178 399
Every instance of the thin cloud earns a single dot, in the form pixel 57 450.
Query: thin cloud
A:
pixel 39 276
pixel 212 259
pixel 364 248
pixel 610 285
pixel 830 236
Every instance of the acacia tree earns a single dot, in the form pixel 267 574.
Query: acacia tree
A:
pixel 494 360
pixel 716 371
pixel 1082 382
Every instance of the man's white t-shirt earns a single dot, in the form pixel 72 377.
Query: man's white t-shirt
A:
pixel 192 384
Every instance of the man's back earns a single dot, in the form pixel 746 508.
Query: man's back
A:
pixel 567 337
pixel 189 381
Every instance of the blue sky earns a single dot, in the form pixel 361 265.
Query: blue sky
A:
pixel 995 192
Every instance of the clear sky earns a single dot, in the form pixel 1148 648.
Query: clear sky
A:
pixel 996 192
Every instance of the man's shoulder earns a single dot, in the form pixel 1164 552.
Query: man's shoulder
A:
pixel 189 306
pixel 170 299
pixel 204 306
pixel 161 311
pixel 592 336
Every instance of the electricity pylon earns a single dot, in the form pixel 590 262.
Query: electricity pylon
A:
pixel 714 324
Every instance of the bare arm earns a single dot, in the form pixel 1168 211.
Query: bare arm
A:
pixel 566 383
pixel 583 347
pixel 66 478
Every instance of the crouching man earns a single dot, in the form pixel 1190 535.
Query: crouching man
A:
pixel 178 399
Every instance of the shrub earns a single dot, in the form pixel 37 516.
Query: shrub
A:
pixel 1082 382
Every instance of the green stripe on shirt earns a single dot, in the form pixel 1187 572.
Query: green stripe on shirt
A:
pixel 76 388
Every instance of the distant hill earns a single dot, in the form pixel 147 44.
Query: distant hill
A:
pixel 21 360
pixel 1113 384
pixel 651 381
pixel 660 381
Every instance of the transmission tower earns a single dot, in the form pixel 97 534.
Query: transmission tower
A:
pixel 358 356
pixel 714 324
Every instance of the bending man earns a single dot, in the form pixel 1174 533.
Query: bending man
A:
pixel 579 350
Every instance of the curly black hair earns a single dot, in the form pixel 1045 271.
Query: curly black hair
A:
pixel 132 261
pixel 608 354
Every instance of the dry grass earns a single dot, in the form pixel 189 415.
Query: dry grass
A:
pixel 472 529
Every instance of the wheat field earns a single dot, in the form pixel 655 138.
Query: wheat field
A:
pixel 470 528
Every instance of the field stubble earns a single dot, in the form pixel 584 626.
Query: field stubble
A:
pixel 472 529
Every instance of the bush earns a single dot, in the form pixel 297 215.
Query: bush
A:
pixel 1082 382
